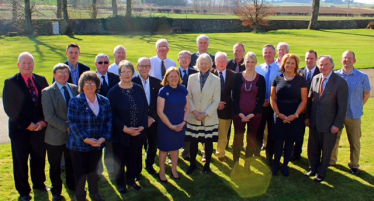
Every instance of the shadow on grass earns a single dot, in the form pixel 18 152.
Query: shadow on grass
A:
pixel 75 38
pixel 38 43
pixel 338 32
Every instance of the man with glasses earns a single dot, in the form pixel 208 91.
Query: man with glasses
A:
pixel 119 55
pixel 108 80
pixel 161 63
pixel 282 49
pixel 151 86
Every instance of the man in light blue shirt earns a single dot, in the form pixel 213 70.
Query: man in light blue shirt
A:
pixel 269 70
pixel 359 93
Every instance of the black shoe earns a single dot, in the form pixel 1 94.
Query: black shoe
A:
pixel 150 170
pixel 190 169
pixel 187 158
pixel 137 178
pixel 26 198
pixel 163 181
pixel 285 172
pixel 270 162
pixel 122 190
pixel 176 178
pixel 96 197
pixel 355 171
pixel 136 186
pixel 207 170
pixel 318 179
pixel 310 174
pixel 44 189
pixel 294 157
pixel 56 198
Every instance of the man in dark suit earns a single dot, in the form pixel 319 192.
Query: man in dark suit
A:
pixel 235 64
pixel 325 114
pixel 73 53
pixel 108 81
pixel 225 106
pixel 202 43
pixel 184 60
pixel 151 86
pixel 55 100
pixel 308 72
pixel 22 104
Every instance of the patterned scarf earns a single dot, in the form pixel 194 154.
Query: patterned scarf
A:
pixel 203 78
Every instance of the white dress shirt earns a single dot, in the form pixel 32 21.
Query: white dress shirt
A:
pixel 263 69
pixel 156 66
pixel 147 89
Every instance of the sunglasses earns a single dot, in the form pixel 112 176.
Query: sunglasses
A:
pixel 101 62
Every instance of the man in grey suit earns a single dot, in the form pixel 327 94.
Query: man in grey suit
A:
pixel 55 101
pixel 325 114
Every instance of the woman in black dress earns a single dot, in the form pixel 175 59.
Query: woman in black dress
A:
pixel 288 99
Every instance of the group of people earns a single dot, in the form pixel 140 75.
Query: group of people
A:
pixel 168 108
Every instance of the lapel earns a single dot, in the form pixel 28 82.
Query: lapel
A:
pixel 329 84
pixel 153 91
pixel 75 91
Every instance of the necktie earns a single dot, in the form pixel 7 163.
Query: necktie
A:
pixel 321 87
pixel 67 95
pixel 105 85
pixel 163 69
pixel 185 77
pixel 267 79
pixel 309 76
pixel 222 81
pixel 32 91
pixel 237 67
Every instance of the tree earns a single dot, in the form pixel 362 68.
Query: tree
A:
pixel 65 24
pixel 59 9
pixel 94 9
pixel 128 8
pixel 253 13
pixel 28 23
pixel 313 24
pixel 114 7
pixel 14 10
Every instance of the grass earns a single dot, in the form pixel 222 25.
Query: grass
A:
pixel 224 185
pixel 50 50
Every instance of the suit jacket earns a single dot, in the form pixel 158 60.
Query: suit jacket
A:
pixel 329 109
pixel 20 108
pixel 155 86
pixel 56 114
pixel 82 68
pixel 232 65
pixel 206 100
pixel 226 113
pixel 303 73
pixel 194 57
pixel 190 71
pixel 113 79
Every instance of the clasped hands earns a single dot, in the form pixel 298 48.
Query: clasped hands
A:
pixel 286 119
pixel 36 127
pixel 199 115
pixel 246 118
pixel 133 131
pixel 178 127
pixel 94 142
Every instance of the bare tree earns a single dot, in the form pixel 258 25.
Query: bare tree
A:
pixel 28 23
pixel 253 13
pixel 313 24
pixel 114 7
pixel 94 9
pixel 59 9
pixel 14 10
pixel 128 8
pixel 66 26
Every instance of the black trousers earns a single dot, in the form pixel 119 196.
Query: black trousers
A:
pixel 126 156
pixel 85 166
pixel 54 154
pixel 151 144
pixel 297 149
pixel 32 150
pixel 320 146
pixel 267 117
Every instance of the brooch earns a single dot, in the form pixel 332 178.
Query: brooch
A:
pixel 167 93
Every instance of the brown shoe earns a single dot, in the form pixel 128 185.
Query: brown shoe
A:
pixel 222 159
pixel 203 159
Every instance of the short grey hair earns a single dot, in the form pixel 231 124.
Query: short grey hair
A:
pixel 329 57
pixel 283 43
pixel 162 40
pixel 24 54
pixel 220 54
pixel 184 52
pixel 60 66
pixel 251 55
pixel 101 55
pixel 118 47
pixel 202 37
pixel 203 56
pixel 144 58
pixel 127 64
pixel 268 45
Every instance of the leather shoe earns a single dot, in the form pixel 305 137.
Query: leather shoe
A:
pixel 26 198
pixel 318 179
pixel 96 197
pixel 122 190
pixel 310 174
pixel 294 157
pixel 163 181
pixel 56 198
pixel 150 170
pixel 190 169
pixel 355 171
pixel 207 170
pixel 176 178
pixel 137 178
pixel 136 186
pixel 222 159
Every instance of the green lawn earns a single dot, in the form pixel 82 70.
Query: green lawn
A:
pixel 49 50
pixel 224 185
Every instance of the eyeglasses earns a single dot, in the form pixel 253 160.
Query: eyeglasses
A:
pixel 162 48
pixel 184 58
pixel 144 66
pixel 126 72
pixel 101 62
pixel 90 84
pixel 283 50
pixel 61 73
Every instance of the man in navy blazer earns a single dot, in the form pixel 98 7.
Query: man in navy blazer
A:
pixel 22 104
pixel 235 64
pixel 73 53
pixel 202 43
pixel 184 59
pixel 108 80
pixel 308 72
pixel 151 86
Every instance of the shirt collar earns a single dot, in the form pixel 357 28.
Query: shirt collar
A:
pixel 328 77
pixel 146 81
pixel 223 72
pixel 60 85
pixel 241 61
pixel 101 74
pixel 88 100
pixel 71 65
pixel 25 78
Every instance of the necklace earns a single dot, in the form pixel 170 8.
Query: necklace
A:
pixel 245 82
pixel 288 78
